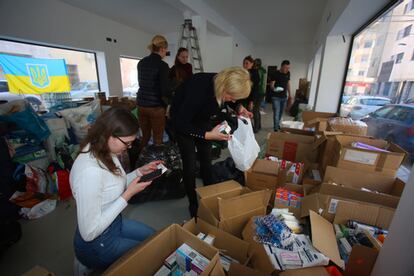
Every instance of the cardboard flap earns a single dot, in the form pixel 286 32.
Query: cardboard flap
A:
pixel 235 206
pixel 310 202
pixel 324 239
pixel 218 189
pixel 265 166
pixel 365 213
pixel 361 262
pixel 241 270
pixel 235 225
pixel 225 242
pixel 360 179
pixel 311 271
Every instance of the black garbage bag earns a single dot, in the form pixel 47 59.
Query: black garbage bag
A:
pixel 168 186
pixel 226 170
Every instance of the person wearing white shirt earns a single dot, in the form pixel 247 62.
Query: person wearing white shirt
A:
pixel 102 189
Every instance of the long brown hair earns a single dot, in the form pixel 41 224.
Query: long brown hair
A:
pixel 180 73
pixel 115 122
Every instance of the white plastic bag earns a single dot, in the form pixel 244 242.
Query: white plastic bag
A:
pixel 39 210
pixel 243 146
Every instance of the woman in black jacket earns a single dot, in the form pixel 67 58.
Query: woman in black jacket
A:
pixel 252 102
pixel 195 102
pixel 153 89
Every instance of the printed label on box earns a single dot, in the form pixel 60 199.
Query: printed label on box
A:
pixel 332 206
pixel 360 157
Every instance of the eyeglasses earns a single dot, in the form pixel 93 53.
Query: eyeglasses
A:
pixel 127 144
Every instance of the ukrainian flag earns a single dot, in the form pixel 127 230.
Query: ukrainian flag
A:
pixel 35 75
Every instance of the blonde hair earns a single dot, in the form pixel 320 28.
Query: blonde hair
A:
pixel 157 43
pixel 234 81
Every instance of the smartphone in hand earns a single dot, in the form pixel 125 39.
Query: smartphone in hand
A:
pixel 155 174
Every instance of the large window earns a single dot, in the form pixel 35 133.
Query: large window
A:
pixel 81 68
pixel 385 76
pixel 129 73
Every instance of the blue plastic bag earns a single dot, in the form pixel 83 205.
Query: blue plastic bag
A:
pixel 26 118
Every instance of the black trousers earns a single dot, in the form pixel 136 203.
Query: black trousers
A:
pixel 188 145
pixel 257 119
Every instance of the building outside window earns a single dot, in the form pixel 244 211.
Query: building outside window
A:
pixel 389 77
pixel 129 74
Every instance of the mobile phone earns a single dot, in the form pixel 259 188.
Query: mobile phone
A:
pixel 151 176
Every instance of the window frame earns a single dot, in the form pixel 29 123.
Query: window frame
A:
pixel 59 47
pixel 383 11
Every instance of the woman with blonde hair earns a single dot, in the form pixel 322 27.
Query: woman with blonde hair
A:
pixel 154 88
pixel 200 98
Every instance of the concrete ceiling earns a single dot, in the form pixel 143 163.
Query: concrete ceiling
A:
pixel 273 21
pixel 261 21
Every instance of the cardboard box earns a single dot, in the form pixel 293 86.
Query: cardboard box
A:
pixel 308 116
pixel 241 270
pixel 312 271
pixel 264 174
pixel 323 239
pixel 348 157
pixel 356 194
pixel 371 213
pixel 293 188
pixel 292 147
pixel 229 207
pixel 359 179
pixel 147 258
pixel 347 126
pixel 38 271
pixel 226 243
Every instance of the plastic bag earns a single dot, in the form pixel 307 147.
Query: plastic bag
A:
pixel 80 118
pixel 39 210
pixel 243 146
pixel 22 114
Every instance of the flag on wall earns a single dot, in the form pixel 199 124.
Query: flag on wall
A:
pixel 35 75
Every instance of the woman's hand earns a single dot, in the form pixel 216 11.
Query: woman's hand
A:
pixel 244 112
pixel 150 167
pixel 135 187
pixel 216 135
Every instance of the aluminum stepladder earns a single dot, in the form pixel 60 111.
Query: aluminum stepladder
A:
pixel 189 40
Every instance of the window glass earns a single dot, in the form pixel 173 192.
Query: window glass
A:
pixel 383 50
pixel 129 74
pixel 401 114
pixel 80 67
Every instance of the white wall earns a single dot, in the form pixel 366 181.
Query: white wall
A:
pixel 396 256
pixel 333 68
pixel 297 55
pixel 56 23
pixel 219 50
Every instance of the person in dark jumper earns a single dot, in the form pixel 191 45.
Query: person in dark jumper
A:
pixel 154 89
pixel 194 104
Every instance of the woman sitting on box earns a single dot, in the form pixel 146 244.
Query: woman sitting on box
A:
pixel 194 104
pixel 102 189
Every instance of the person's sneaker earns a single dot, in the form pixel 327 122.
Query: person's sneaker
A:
pixel 262 112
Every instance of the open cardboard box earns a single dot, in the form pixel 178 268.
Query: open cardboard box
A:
pixel 359 179
pixel 309 117
pixel 147 258
pixel 361 259
pixel 327 207
pixel 293 188
pixel 292 147
pixel 264 174
pixel 38 271
pixel 348 157
pixel 224 242
pixel 229 206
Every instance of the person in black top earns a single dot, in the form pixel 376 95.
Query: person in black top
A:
pixel 195 102
pixel 154 88
pixel 253 102
pixel 280 92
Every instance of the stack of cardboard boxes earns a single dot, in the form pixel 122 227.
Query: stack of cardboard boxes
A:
pixel 337 183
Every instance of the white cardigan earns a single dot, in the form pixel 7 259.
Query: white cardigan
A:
pixel 97 192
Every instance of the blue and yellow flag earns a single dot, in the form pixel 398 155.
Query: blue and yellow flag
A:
pixel 35 75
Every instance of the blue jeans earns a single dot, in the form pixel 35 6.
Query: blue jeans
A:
pixel 122 235
pixel 278 105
